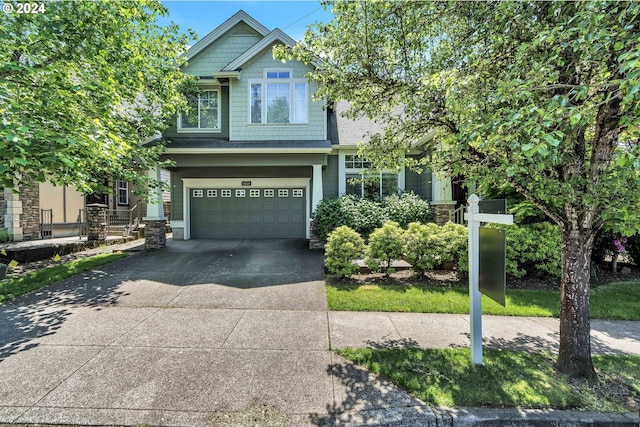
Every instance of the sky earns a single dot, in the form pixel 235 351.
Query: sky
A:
pixel 204 16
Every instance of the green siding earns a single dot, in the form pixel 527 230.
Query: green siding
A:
pixel 419 183
pixel 224 50
pixel 330 178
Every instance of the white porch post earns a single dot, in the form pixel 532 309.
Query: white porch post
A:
pixel 441 188
pixel 155 206
pixel 475 297
pixel 317 191
pixel 155 232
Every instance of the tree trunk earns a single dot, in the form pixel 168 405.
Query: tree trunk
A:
pixel 574 357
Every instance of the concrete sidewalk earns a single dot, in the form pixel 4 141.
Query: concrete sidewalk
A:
pixel 171 338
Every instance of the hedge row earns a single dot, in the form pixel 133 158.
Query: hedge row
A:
pixel 531 249
pixel 424 246
pixel 364 215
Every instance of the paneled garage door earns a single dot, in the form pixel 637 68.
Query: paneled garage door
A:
pixel 248 213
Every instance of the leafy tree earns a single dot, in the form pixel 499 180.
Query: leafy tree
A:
pixel 278 111
pixel 82 86
pixel 542 95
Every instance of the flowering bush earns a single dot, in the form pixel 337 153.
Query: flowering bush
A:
pixel 364 215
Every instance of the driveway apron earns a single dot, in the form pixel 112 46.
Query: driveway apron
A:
pixel 181 335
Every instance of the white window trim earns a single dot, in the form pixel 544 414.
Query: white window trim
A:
pixel 180 129
pixel 343 171
pixel 292 92
pixel 124 187
pixel 277 70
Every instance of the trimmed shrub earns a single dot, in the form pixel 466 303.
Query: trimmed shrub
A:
pixel 455 237
pixel 423 246
pixel 364 215
pixel 385 245
pixel 532 248
pixel 407 208
pixel 343 246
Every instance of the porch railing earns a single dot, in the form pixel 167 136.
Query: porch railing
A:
pixel 123 223
pixel 82 223
pixel 119 222
pixel 46 223
pixel 457 216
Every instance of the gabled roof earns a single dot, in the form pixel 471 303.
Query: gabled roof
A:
pixel 270 39
pixel 214 35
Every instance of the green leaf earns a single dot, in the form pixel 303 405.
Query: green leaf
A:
pixel 575 119
pixel 543 150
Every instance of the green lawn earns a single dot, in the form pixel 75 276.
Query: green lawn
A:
pixel 617 300
pixel 507 379
pixel 14 287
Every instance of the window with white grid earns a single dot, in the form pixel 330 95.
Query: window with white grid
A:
pixel 241 193
pixel 225 193
pixel 198 193
pixel 268 193
pixel 254 192
pixel 212 193
pixel 283 192
pixel 297 192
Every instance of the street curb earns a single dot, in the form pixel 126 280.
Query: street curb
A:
pixel 488 417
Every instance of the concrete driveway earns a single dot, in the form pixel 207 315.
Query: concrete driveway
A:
pixel 175 336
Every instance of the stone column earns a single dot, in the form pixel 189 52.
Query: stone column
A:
pixel 441 211
pixel 155 223
pixel 12 215
pixel 30 218
pixel 155 233
pixel 97 222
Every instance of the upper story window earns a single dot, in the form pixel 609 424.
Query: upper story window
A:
pixel 278 98
pixel 203 113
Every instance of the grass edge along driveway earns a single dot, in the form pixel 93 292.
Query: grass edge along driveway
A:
pixel 14 287
pixel 612 301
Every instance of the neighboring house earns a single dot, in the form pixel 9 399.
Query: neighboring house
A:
pixel 255 153
pixel 42 210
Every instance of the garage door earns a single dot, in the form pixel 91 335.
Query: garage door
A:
pixel 248 213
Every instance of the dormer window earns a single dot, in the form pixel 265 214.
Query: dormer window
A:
pixel 203 114
pixel 278 98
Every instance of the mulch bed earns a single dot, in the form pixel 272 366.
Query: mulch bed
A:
pixel 450 278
